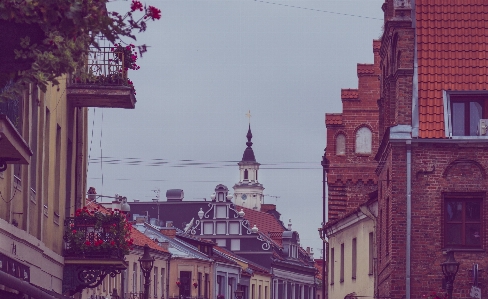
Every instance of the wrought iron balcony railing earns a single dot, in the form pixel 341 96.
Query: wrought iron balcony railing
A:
pixel 11 109
pixel 104 67
pixel 87 239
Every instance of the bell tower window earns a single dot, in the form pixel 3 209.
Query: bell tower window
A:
pixel 246 174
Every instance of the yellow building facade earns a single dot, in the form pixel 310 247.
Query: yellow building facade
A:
pixel 38 194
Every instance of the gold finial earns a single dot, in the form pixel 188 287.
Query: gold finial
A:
pixel 248 115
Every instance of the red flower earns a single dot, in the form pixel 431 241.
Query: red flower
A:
pixel 87 243
pixel 153 13
pixel 112 243
pixel 74 231
pixel 136 5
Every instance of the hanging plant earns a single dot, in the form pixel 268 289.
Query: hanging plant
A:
pixel 60 36
pixel 91 233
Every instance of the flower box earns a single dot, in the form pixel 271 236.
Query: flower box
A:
pixel 93 234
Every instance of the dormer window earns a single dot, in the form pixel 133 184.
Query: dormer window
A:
pixel 464 113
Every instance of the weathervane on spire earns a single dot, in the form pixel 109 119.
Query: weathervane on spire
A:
pixel 248 115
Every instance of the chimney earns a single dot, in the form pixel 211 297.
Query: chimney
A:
pixel 265 207
pixel 169 230
pixel 289 224
pixel 175 195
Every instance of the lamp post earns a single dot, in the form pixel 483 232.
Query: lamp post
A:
pixel 450 268
pixel 146 262
pixel 238 292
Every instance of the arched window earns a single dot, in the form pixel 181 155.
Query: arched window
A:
pixel 341 144
pixel 363 141
pixel 246 174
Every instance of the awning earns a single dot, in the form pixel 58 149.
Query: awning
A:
pixel 29 289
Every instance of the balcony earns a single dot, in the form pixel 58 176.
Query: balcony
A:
pixel 96 245
pixel 13 148
pixel 102 82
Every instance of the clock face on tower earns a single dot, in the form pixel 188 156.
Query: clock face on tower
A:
pixel 244 196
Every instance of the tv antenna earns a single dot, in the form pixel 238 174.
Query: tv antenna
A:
pixel 275 197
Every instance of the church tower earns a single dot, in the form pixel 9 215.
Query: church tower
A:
pixel 248 192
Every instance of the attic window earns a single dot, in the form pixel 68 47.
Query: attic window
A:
pixel 464 114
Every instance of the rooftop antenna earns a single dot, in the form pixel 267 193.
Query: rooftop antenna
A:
pixel 158 193
pixel 275 197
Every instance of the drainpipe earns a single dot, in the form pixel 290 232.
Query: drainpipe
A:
pixel 167 276
pixel 409 217
pixel 325 199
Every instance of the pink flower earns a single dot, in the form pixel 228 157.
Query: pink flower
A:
pixel 153 13
pixel 136 5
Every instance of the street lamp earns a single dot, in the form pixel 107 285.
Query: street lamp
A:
pixel 450 268
pixel 114 295
pixel 239 294
pixel 146 262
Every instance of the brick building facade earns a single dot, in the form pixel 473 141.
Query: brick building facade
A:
pixel 430 152
pixel 352 141
pixel 431 163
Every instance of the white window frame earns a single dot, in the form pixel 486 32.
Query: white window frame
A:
pixel 446 97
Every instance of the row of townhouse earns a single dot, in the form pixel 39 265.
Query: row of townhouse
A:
pixel 211 249
pixel 43 159
pixel 405 161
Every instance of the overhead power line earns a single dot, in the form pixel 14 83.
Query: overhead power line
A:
pixel 318 10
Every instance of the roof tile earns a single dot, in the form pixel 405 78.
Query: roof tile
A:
pixel 451 46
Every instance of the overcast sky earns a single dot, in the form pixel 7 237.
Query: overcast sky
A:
pixel 211 61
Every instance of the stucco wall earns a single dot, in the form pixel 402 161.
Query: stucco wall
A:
pixel 363 284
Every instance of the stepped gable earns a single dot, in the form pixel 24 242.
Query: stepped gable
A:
pixel 452 55
pixel 333 119
pixel 349 94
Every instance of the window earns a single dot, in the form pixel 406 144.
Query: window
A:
pixel 387 226
pixel 234 228
pixel 464 112
pixel 331 262
pixel 221 242
pixel 221 228
pixel 363 141
pixel 134 278
pixel 354 258
pixel 342 263
pixel 208 228
pixel 246 174
pixel 341 144
pixel 462 222
pixel 235 244
pixel 371 244
pixel 221 212
pixel 163 281
pixel 155 280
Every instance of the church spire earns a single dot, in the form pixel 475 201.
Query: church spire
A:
pixel 248 155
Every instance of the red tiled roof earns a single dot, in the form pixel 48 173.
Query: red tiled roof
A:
pixel 277 237
pixel 452 55
pixel 265 222
pixel 141 239
pixel 348 94
pixel 333 118
pixel 318 265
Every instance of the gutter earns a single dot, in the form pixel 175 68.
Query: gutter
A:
pixel 415 79
pixel 403 133
pixel 409 218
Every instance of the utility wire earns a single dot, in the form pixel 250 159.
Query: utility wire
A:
pixel 318 10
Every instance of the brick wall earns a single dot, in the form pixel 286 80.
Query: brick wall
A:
pixel 351 176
